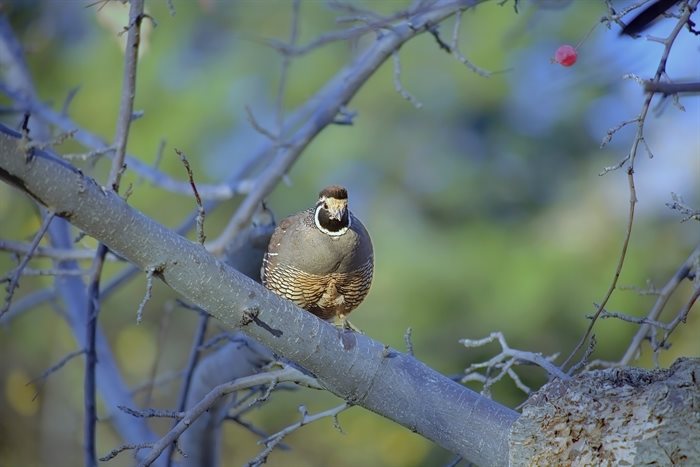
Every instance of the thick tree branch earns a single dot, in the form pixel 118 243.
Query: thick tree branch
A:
pixel 671 88
pixel 353 366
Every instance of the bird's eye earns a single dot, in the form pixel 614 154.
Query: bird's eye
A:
pixel 325 205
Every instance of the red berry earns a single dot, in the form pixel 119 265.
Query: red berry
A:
pixel 565 55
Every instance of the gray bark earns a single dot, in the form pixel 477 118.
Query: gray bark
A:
pixel 620 416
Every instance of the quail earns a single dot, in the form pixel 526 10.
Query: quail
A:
pixel 321 258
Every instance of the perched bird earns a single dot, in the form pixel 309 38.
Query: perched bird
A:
pixel 321 258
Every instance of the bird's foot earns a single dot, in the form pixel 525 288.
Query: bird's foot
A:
pixel 341 322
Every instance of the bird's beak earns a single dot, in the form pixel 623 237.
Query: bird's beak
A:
pixel 337 209
pixel 337 213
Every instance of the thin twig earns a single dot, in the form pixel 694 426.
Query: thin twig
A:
pixel 609 136
pixel 221 191
pixel 126 105
pixel 14 282
pixel 275 439
pixel 152 413
pixel 258 127
pixel 83 156
pixel 504 362
pixel 586 356
pixel 630 160
pixel 191 415
pixel 55 367
pixel 201 213
pixel 349 34
pixel 681 316
pixel 618 269
pixel 92 309
pixel 160 380
pixel 679 205
pixel 631 319
pixel 126 109
pixel 28 302
pixel 54 272
pixel 397 82
pixel 55 141
pixel 286 62
pixel 147 296
pixel 454 48
pixel 256 431
pixel 664 295
pixel 48 252
pixel 192 360
pixel 124 447
pixel 69 99
pixel 646 329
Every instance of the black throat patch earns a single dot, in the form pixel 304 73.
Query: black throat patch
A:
pixel 332 225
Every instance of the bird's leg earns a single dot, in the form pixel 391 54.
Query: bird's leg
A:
pixel 341 322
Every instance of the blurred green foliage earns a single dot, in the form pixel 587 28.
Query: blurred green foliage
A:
pixel 485 206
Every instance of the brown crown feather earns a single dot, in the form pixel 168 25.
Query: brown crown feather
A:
pixel 334 191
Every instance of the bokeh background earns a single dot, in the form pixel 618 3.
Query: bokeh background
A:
pixel 485 206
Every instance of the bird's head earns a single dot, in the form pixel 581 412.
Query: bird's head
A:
pixel 332 216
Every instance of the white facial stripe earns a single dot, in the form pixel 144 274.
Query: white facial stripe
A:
pixel 326 231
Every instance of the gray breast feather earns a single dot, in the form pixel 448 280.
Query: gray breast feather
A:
pixel 305 247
